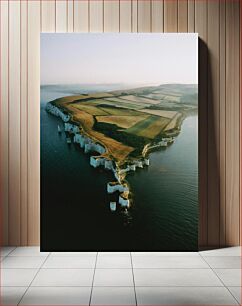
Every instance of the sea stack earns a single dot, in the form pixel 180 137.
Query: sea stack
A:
pixel 113 206
pixel 124 200
pixel 116 186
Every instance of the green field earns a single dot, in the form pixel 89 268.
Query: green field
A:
pixel 141 100
pixel 123 104
pixel 144 124
pixel 117 111
pixel 92 110
pixel 122 101
pixel 149 127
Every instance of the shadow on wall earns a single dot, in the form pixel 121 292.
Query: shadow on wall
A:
pixel 209 176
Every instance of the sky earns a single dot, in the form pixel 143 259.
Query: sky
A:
pixel 119 58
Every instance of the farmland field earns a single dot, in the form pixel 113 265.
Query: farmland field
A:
pixel 167 93
pixel 94 102
pixel 125 121
pixel 118 111
pixel 112 102
pixel 173 123
pixel 144 124
pixel 154 128
pixel 140 100
pixel 116 149
pixel 90 109
pixel 155 96
pixel 124 104
pixel 149 127
pixel 129 102
pixel 157 112
pixel 121 121
pixel 172 98
pixel 100 95
pixel 69 99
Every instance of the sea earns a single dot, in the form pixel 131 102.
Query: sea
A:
pixel 75 212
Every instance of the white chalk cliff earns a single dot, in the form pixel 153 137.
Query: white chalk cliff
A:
pixel 101 160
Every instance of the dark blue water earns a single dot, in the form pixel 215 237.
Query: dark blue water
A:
pixel 75 211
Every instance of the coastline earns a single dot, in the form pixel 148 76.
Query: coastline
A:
pixel 92 145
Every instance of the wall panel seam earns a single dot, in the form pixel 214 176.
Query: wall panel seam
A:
pixel 225 122
pixel 150 16
pixel 240 117
pixel 27 124
pixel 20 101
pixel 55 16
pixel 207 117
pixel 219 161
pixel 187 16
pixel 219 155
pixel 8 125
pixel 119 16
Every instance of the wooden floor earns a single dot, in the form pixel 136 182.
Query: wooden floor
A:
pixel 217 23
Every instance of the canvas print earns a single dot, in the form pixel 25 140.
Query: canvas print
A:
pixel 119 142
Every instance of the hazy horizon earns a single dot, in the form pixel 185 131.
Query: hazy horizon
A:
pixel 128 84
pixel 135 59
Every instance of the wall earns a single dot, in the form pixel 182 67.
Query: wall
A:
pixel 217 23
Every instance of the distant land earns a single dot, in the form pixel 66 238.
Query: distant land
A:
pixel 122 126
